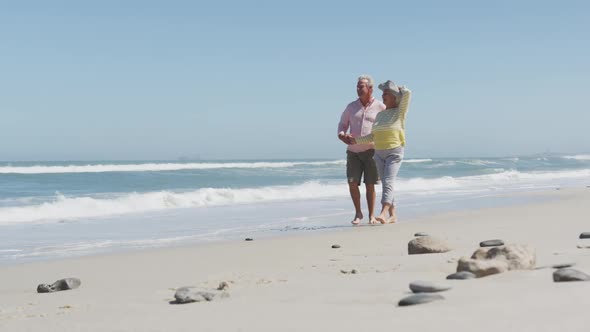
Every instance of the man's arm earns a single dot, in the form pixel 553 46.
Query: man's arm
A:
pixel 343 125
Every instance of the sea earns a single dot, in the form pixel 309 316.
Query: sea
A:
pixel 53 210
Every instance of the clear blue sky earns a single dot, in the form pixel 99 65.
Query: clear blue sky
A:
pixel 269 79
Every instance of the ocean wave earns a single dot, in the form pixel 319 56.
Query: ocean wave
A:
pixel 154 167
pixel 417 160
pixel 578 157
pixel 73 208
pixel 477 162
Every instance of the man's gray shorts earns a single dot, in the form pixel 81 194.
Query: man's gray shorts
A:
pixel 361 163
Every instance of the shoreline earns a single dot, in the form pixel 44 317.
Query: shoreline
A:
pixel 322 224
pixel 295 282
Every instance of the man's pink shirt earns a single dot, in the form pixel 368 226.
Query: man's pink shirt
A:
pixel 359 120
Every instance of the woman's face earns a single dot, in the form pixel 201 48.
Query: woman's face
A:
pixel 388 99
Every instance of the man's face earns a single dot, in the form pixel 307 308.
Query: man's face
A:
pixel 363 89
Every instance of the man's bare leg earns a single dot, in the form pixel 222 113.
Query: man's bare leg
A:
pixel 371 202
pixel 355 194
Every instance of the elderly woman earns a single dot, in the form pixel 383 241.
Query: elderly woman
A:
pixel 389 137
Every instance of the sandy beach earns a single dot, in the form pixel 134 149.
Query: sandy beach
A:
pixel 296 283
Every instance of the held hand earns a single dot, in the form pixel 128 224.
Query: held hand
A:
pixel 342 137
pixel 349 139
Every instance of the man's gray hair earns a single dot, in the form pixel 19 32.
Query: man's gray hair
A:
pixel 367 78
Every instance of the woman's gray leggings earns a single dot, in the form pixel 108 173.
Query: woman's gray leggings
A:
pixel 388 163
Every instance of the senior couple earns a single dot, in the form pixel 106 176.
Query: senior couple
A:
pixel 375 134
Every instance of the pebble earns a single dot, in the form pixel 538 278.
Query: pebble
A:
pixel 427 287
pixel 421 234
pixel 419 299
pixel 463 275
pixel 585 235
pixel 491 243
pixel 353 271
pixel 248 239
pixel 569 275
pixel 335 246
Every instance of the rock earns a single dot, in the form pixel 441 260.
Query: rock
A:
pixel 486 261
pixel 354 271
pixel 427 245
pixel 569 275
pixel 518 257
pixel 60 285
pixel 463 275
pixel 585 235
pixel 421 234
pixel 419 299
pixel 335 246
pixel 579 246
pixel 223 285
pixel 192 294
pixel 491 243
pixel 481 268
pixel 248 239
pixel 427 287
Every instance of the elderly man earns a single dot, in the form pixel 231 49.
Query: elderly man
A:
pixel 359 117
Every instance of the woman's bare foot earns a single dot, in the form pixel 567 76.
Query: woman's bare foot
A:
pixel 382 219
pixel 373 221
pixel 392 219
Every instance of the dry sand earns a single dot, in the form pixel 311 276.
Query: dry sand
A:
pixel 295 283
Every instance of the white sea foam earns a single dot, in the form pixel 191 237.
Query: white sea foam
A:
pixel 72 208
pixel 154 167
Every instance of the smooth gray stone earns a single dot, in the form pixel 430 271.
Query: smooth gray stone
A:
pixel 421 234
pixel 419 299
pixel 248 239
pixel 427 287
pixel 463 275
pixel 556 266
pixel 569 275
pixel 335 246
pixel 192 294
pixel 585 235
pixel 60 285
pixel 491 243
pixel 562 265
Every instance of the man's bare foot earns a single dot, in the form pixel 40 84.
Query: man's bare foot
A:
pixel 392 219
pixel 357 220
